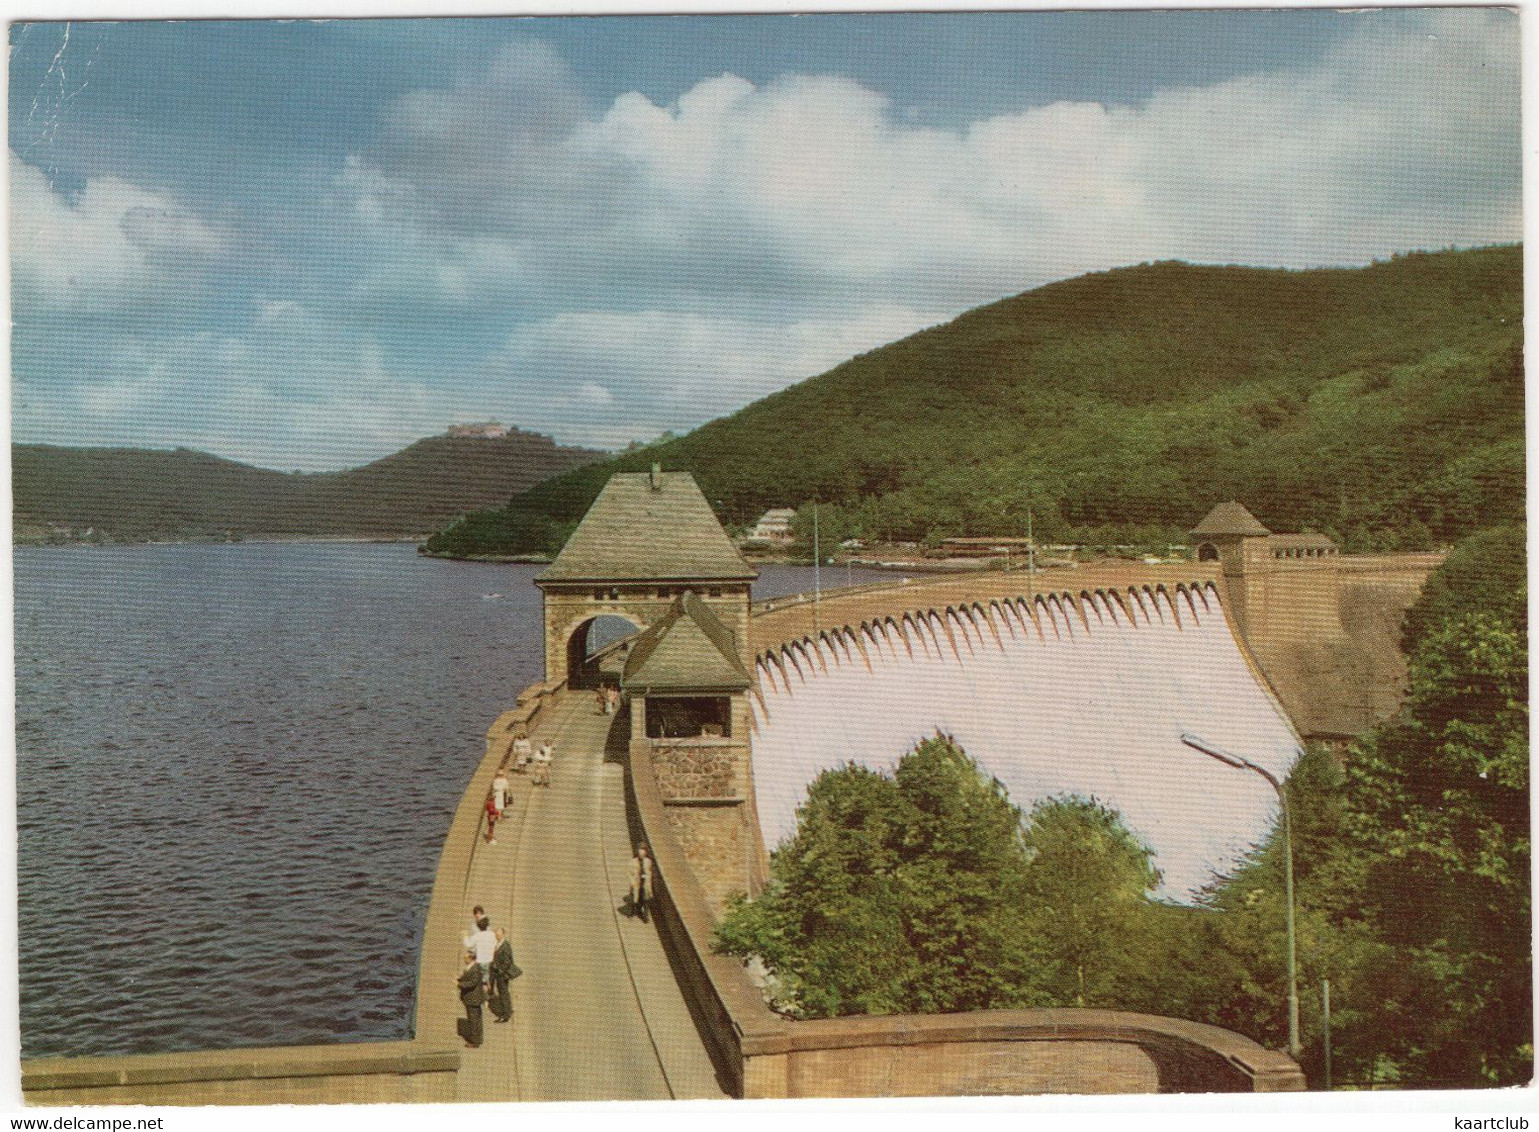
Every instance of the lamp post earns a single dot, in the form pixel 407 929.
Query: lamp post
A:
pixel 1240 762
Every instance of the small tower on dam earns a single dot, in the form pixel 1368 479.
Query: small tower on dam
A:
pixel 651 551
pixel 648 538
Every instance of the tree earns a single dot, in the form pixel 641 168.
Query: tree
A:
pixel 1441 810
pixel 1088 885
pixel 898 893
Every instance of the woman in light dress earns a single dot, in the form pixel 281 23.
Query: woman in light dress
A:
pixel 500 790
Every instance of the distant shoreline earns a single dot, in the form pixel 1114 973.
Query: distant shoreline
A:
pixel 263 539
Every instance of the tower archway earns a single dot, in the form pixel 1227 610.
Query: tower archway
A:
pixel 589 659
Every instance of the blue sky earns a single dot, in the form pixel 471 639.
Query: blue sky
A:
pixel 306 244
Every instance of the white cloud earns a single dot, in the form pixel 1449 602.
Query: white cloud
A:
pixel 115 238
pixel 606 378
pixel 811 188
pixel 288 392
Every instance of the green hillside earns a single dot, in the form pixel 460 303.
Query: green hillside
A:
pixel 125 494
pixel 1381 405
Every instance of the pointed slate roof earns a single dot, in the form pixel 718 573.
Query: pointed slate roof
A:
pixel 686 649
pixel 1230 519
pixel 636 531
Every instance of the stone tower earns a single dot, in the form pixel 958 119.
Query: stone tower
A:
pixel 647 539
pixel 650 550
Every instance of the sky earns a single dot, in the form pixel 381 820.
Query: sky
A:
pixel 304 245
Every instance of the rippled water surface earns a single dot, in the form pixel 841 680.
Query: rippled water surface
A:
pixel 235 769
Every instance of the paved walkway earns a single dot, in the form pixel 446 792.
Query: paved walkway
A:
pixel 597 1014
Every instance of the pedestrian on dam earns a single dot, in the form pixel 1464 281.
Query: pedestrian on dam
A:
pixel 472 995
pixel 542 760
pixel 601 700
pixel 503 971
pixel 500 791
pixel 612 695
pixel 522 749
pixel 481 943
pixel 641 881
pixel 491 818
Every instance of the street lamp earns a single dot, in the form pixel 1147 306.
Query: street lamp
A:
pixel 1240 762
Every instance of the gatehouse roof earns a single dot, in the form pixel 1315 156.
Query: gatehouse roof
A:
pixel 686 649
pixel 1230 519
pixel 653 526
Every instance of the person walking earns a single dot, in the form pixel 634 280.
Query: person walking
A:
pixel 522 751
pixel 472 995
pixel 481 943
pixel 600 701
pixel 612 694
pixel 641 881
pixel 492 814
pixel 542 760
pixel 500 790
pixel 503 971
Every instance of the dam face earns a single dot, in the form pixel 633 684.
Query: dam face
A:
pixel 1063 694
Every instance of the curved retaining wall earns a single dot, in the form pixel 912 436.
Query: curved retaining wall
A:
pixel 762 1055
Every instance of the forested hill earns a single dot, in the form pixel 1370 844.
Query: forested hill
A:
pixel 124 494
pixel 1382 405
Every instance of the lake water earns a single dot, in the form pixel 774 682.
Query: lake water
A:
pixel 235 769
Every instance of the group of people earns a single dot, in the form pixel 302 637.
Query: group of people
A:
pixel 488 965
pixel 535 760
pixel 606 697
pixel 484 978
pixel 526 757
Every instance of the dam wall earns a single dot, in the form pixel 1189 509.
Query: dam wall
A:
pixel 1327 634
pixel 1066 693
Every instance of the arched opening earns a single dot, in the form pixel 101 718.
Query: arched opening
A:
pixel 1207 552
pixel 589 659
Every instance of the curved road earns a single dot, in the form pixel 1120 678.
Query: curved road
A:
pixel 597 1013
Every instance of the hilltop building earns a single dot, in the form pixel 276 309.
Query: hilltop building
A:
pixel 485 430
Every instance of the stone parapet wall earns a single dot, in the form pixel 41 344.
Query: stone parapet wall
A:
pixel 365 1073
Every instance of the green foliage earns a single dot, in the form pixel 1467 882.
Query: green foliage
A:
pixel 1089 885
pixel 1441 812
pixel 1383 406
pixel 1486 573
pixel 922 891
pixel 898 893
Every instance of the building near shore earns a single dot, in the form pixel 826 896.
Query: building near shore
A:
pixel 774 526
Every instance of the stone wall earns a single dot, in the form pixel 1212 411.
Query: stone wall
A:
pixel 1326 634
pixel 366 1073
pixel 570 606
pixel 700 769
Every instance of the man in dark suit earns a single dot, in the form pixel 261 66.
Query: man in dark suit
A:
pixel 502 969
pixel 472 994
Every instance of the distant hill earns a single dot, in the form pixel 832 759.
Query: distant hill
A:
pixel 1382 405
pixel 128 494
